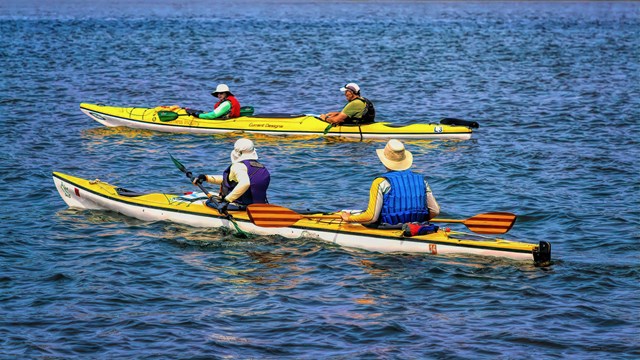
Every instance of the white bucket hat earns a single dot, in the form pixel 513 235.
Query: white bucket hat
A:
pixel 351 86
pixel 220 89
pixel 394 156
pixel 243 150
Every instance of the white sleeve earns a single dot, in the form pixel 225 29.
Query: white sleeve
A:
pixel 432 204
pixel 240 174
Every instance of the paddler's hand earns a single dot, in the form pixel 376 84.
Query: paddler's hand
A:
pixel 200 179
pixel 222 206
pixel 193 112
pixel 345 215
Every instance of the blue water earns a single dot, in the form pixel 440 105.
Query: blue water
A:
pixel 554 86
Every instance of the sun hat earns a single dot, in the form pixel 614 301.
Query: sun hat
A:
pixel 394 156
pixel 351 86
pixel 220 89
pixel 243 150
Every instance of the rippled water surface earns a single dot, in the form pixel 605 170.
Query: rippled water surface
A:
pixel 554 86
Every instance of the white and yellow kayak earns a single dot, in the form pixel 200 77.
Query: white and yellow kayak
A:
pixel 99 195
pixel 156 119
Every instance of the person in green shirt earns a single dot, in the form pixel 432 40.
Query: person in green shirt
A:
pixel 358 110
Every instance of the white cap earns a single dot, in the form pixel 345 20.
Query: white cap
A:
pixel 243 150
pixel 351 86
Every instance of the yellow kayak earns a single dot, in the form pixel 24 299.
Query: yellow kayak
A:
pixel 265 219
pixel 156 119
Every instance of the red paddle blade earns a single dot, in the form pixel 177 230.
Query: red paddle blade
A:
pixel 266 215
pixel 491 223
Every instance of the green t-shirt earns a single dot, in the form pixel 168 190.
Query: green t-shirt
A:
pixel 221 110
pixel 355 108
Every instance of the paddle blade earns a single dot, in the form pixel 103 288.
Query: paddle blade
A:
pixel 164 115
pixel 266 215
pixel 491 223
pixel 460 122
pixel 246 111
pixel 178 164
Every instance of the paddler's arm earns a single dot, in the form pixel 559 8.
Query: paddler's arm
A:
pixel 432 204
pixel 240 174
pixel 352 109
pixel 334 117
pixel 214 179
pixel 376 195
pixel 222 110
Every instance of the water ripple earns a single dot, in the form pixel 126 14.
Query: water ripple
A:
pixel 554 87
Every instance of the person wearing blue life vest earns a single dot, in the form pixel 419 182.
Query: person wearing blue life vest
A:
pixel 399 196
pixel 245 181
pixel 358 110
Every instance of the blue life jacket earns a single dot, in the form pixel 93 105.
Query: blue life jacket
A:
pixel 259 178
pixel 405 201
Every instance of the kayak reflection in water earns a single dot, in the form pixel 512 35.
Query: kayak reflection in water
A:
pixel 227 107
pixel 399 196
pixel 359 110
pixel 244 182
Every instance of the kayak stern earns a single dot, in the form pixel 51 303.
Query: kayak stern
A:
pixel 542 254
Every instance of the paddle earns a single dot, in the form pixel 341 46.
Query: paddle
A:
pixel 191 178
pixel 487 223
pixel 460 122
pixel 326 130
pixel 165 115
pixel 267 215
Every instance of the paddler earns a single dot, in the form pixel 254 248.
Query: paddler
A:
pixel 244 182
pixel 399 196
pixel 227 107
pixel 358 110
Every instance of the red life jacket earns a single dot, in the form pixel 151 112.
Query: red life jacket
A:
pixel 235 106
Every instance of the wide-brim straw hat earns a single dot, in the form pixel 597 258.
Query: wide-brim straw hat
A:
pixel 394 156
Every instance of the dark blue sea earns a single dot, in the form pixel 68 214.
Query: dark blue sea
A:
pixel 555 87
